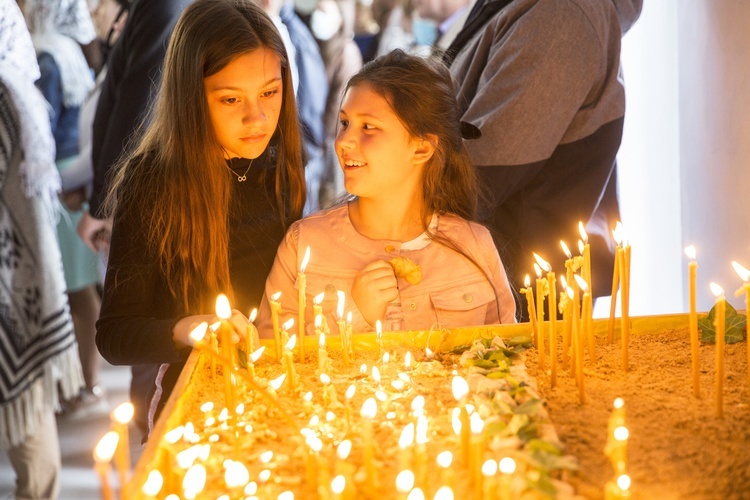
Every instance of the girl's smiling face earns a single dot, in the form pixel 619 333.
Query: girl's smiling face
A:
pixel 244 101
pixel 375 150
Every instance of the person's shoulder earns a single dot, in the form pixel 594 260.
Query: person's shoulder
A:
pixel 323 219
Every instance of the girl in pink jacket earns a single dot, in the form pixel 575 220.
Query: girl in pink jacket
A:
pixel 413 195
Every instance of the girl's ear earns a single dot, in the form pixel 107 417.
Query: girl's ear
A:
pixel 424 148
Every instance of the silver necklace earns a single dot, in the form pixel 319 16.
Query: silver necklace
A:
pixel 243 177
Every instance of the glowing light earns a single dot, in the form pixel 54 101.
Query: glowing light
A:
pixel 106 447
pixel 460 387
pixel 305 260
pixel 405 481
pixel 153 483
pixel 223 309
pixel 506 465
pixel 123 414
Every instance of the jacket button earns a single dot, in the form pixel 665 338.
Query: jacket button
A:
pixel 330 289
pixel 412 305
pixel 390 248
pixel 468 298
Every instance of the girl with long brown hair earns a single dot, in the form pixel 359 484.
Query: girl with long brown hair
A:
pixel 202 203
pixel 414 195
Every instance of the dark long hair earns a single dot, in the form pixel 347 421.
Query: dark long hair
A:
pixel 176 180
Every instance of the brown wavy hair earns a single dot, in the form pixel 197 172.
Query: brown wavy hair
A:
pixel 175 182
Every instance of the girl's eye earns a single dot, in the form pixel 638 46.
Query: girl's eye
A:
pixel 367 126
pixel 344 123
pixel 229 100
pixel 270 93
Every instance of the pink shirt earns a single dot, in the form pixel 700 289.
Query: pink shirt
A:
pixel 452 293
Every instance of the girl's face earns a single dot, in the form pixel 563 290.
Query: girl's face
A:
pixel 244 101
pixel 104 15
pixel 376 152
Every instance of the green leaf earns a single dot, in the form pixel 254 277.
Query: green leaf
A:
pixel 483 363
pixel 497 374
pixel 519 340
pixel 242 358
pixel 496 427
pixel 530 407
pixel 734 326
pixel 542 445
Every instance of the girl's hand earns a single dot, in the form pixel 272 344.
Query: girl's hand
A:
pixel 183 327
pixel 374 286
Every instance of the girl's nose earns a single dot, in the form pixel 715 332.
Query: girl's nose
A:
pixel 253 112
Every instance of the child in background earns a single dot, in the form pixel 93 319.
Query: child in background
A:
pixel 203 202
pixel 413 196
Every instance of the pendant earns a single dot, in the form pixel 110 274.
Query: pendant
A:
pixel 242 178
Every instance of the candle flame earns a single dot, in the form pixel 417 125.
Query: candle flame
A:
pixel 407 360
pixel 255 356
pixel 318 299
pixel 194 480
pixel 287 324
pixel 417 403
pixel 428 353
pixel 376 374
pixel 341 303
pixel 381 396
pixel 223 309
pixel 444 493
pixel 386 358
pixel 542 263
pixel 214 326
pixel 690 252
pixel 253 315
pixel 174 435
pixel 321 339
pixel 456 421
pixel 716 289
pixel 338 485
pixel 350 391
pixel 621 433
pixel 623 482
pixel 415 494
pixel 489 468
pixel 619 403
pixel 292 342
pixel 460 387
pixel 343 449
pixel 325 379
pixel 153 483
pixel 318 321
pixel 526 281
pixel 198 333
pixel 407 436
pixel 276 383
pixel 305 260
pixel 378 328
pixel 563 282
pixel 106 447
pixel 566 250
pixel 421 434
pixel 251 489
pixel 349 318
pixel 266 456
pixel 369 408
pixel 276 296
pixel 444 459
pixel 405 481
pixel 507 465
pixel 582 232
pixel 207 406
pixel 123 414
pixel 741 271
pixel 236 474
pixel 581 283
pixel 570 292
pixel 537 270
pixel 618 233
pixel 580 247
pixel 363 369
pixel 476 423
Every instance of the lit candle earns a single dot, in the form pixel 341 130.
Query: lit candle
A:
pixel 349 335
pixel 615 284
pixel 420 451
pixel 254 357
pixel 540 293
pixel 224 312
pixel 251 337
pixel 322 353
pixel 506 466
pixel 719 324
pixel 566 304
pixel 342 467
pixel 288 358
pixel 330 399
pixel 349 394
pixel 121 417
pixel 236 475
pixel 530 305
pixel 460 391
pixel 744 275
pixel 302 285
pixel 477 452
pixel 444 493
pixel 587 322
pixel 338 484
pixel 552 312
pixel 194 481
pixel 405 443
pixel 444 461
pixel 586 253
pixel 619 489
pixel 103 453
pixel 275 384
pixel 577 348
pixel 318 311
pixel 369 409
pixel 275 311
pixel 694 341
pixel 489 473
pixel 625 301
pixel 342 327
